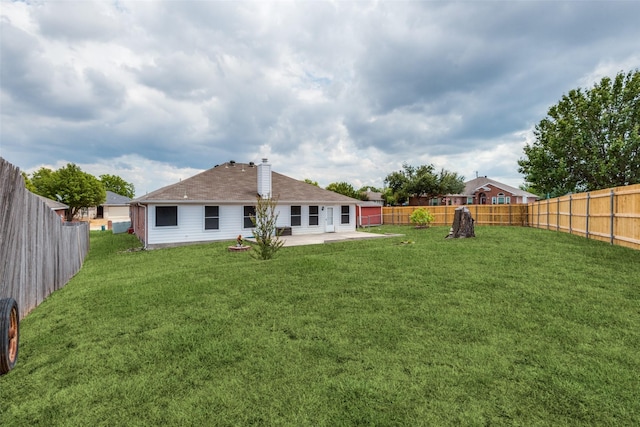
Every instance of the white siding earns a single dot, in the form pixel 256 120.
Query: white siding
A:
pixel 116 212
pixel 337 212
pixel 284 219
pixel 190 226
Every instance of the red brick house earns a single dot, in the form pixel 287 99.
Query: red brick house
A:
pixel 482 191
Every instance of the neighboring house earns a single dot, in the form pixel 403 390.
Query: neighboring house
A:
pixel 218 203
pixel 115 207
pixel 375 197
pixel 59 208
pixel 481 191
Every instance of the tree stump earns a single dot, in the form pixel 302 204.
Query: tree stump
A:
pixel 462 224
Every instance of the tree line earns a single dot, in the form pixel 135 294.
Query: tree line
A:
pixel 75 188
pixel 411 181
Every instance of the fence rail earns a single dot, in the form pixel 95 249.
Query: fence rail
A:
pixel 611 215
pixel 38 252
pixel 370 220
pixel 443 215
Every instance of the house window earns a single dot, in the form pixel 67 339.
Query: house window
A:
pixel 166 216
pixel 344 218
pixel 296 216
pixel 211 218
pixel 469 200
pixel 501 199
pixel 313 215
pixel 249 211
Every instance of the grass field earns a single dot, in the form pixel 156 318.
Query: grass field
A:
pixel 515 327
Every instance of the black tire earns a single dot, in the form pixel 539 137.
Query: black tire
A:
pixel 9 334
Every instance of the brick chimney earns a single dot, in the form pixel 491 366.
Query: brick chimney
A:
pixel 264 179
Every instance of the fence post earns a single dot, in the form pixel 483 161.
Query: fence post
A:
pixel 587 218
pixel 570 213
pixel 510 214
pixel 612 215
pixel 558 214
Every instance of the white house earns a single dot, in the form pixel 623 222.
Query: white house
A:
pixel 115 207
pixel 218 203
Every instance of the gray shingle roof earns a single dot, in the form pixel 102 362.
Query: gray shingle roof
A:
pixel 471 186
pixel 53 204
pixel 238 183
pixel 116 199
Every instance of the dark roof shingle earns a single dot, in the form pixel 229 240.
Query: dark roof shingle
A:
pixel 116 199
pixel 238 183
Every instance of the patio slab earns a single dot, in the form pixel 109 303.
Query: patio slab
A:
pixel 320 238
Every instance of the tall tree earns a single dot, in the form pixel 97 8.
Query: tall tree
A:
pixel 27 182
pixel 43 183
pixel 588 141
pixel 71 186
pixel 396 182
pixel 450 183
pixel 422 181
pixel 118 185
pixel 344 188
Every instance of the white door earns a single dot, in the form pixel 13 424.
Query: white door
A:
pixel 329 228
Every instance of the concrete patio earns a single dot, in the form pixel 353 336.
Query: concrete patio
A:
pixel 317 239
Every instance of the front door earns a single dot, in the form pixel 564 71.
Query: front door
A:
pixel 329 227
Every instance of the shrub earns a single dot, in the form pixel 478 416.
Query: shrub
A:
pixel 421 217
pixel 265 232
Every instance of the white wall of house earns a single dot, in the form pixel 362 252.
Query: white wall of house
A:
pixel 116 212
pixel 284 219
pixel 190 226
pixel 191 222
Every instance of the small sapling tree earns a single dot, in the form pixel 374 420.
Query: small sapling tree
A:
pixel 421 218
pixel 265 231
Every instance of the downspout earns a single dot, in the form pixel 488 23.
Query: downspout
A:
pixel 146 226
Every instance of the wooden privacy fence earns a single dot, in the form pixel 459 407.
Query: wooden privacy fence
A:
pixel 611 215
pixel 38 252
pixel 443 215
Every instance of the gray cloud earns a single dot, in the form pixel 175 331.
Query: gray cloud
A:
pixel 332 91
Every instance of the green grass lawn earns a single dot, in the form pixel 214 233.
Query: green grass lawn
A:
pixel 518 326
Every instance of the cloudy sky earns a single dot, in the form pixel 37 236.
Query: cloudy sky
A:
pixel 330 91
